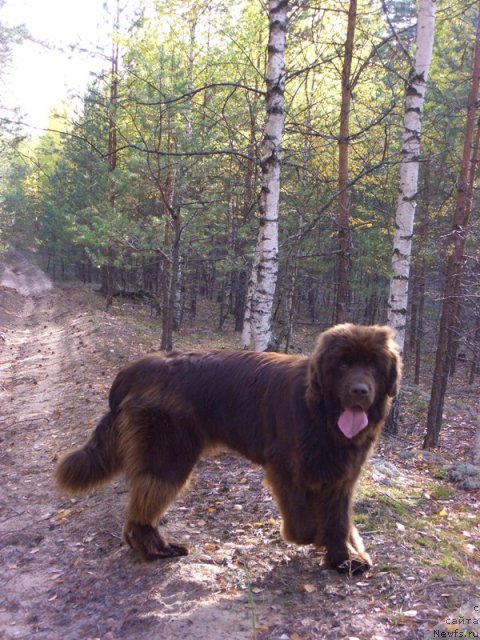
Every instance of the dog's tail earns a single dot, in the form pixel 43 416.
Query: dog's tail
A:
pixel 94 464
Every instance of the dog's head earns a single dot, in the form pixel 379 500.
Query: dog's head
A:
pixel 355 372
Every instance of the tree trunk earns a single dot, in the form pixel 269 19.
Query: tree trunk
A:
pixel 112 127
pixel 476 351
pixel 343 218
pixel 418 281
pixel 107 275
pixel 239 298
pixel 455 263
pixel 407 199
pixel 476 444
pixel 174 282
pixel 107 287
pixel 257 330
pixel 455 331
pixel 419 295
pixel 113 103
pixel 170 264
pixel 290 299
pixel 409 165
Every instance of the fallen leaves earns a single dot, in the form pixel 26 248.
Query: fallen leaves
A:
pixel 307 588
pixel 232 525
pixel 471 550
pixel 64 515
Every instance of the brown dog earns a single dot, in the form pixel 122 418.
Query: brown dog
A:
pixel 310 422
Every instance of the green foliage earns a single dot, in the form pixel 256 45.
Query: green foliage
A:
pixel 189 118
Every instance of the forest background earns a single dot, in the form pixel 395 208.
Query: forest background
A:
pixel 149 183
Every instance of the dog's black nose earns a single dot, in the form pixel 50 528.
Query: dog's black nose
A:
pixel 359 389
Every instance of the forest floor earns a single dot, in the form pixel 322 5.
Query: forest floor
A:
pixel 65 572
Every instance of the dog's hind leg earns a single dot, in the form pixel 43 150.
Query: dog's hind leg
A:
pixel 149 498
pixel 159 459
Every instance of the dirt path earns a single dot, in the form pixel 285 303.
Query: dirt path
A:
pixel 64 570
pixel 67 576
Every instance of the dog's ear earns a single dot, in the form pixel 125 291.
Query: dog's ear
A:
pixel 315 387
pixel 314 382
pixel 315 377
pixel 327 346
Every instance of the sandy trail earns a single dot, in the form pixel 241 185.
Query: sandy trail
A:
pixel 65 572
pixel 67 575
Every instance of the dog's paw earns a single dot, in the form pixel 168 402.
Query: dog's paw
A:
pixel 148 542
pixel 173 550
pixel 353 564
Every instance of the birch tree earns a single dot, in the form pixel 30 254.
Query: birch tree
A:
pixel 409 166
pixel 257 328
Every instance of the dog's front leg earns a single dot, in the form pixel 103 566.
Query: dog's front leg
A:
pixel 336 532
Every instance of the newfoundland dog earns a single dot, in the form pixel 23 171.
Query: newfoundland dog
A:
pixel 309 421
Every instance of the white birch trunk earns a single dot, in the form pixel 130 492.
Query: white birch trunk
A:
pixel 257 330
pixel 407 199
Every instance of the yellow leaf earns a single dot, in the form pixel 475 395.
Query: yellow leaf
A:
pixel 63 515
pixel 471 549
pixel 307 588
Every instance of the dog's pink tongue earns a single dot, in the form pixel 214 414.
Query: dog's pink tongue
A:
pixel 352 421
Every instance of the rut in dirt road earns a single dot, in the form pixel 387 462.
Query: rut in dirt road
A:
pixel 39 359
pixel 66 571
pixel 33 350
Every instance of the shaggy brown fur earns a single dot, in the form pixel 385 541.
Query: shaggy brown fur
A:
pixel 280 411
